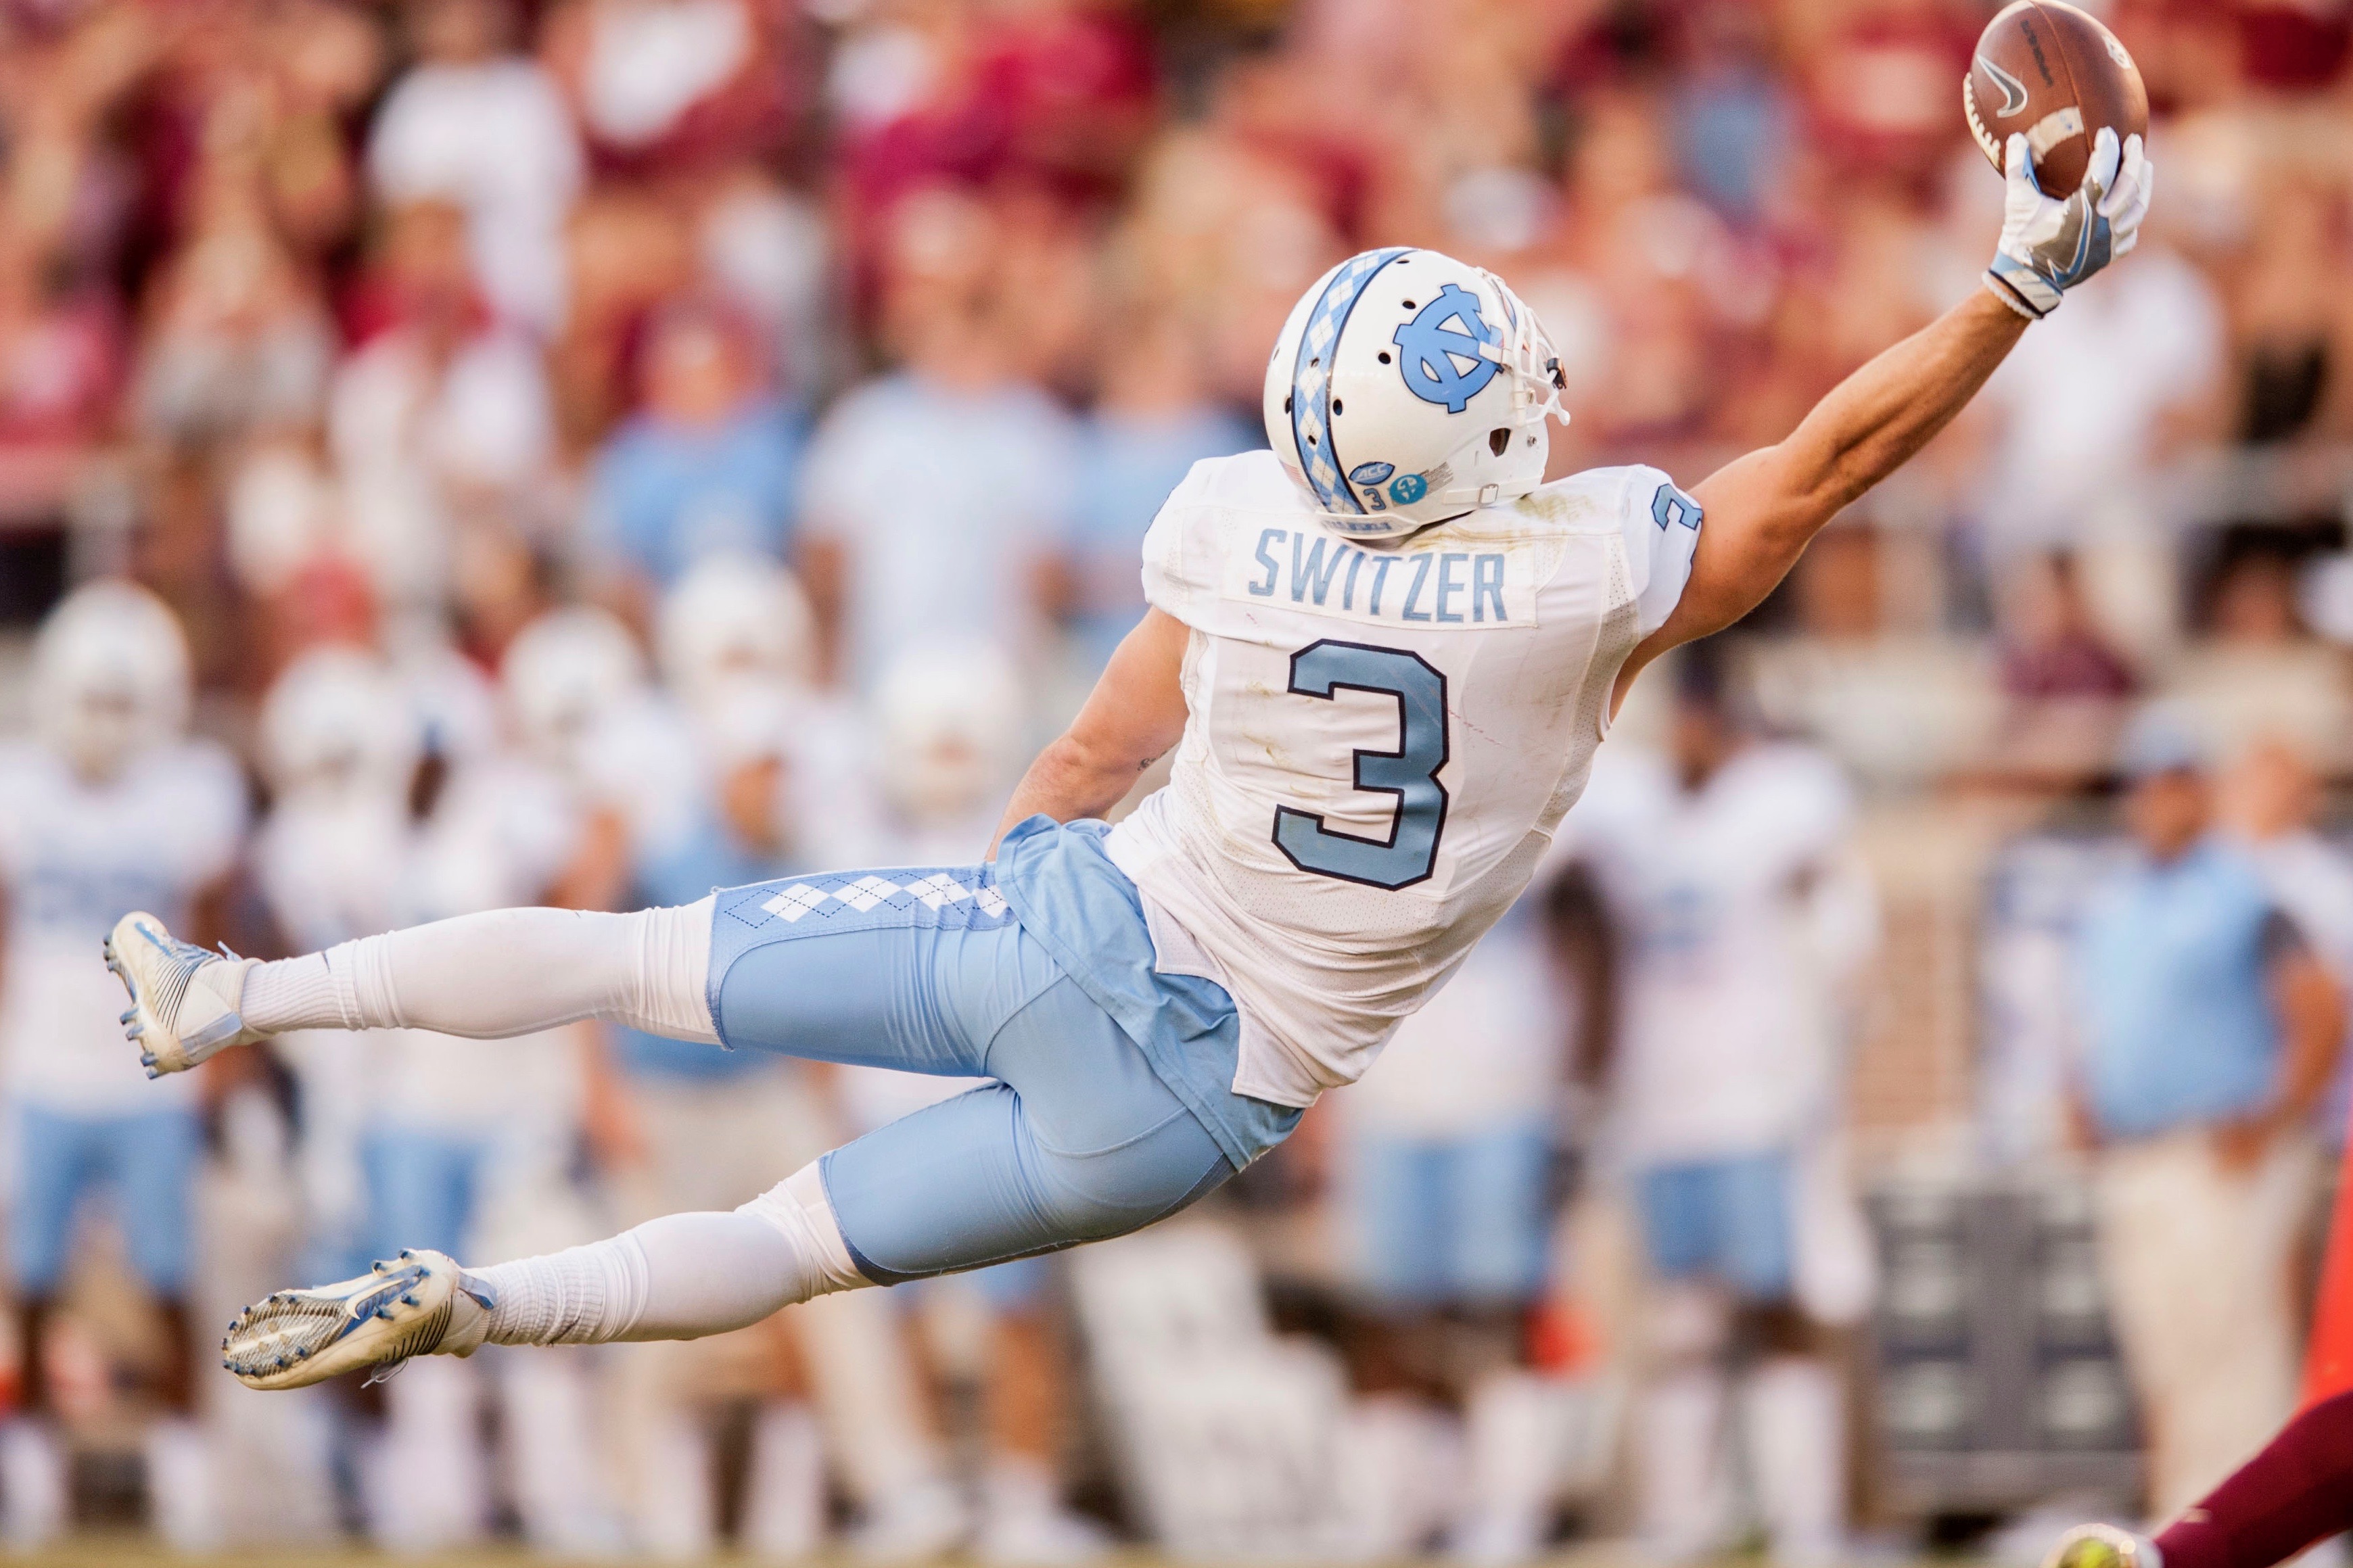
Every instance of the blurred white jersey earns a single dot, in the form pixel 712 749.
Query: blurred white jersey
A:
pixel 334 870
pixel 1482 1054
pixel 1380 741
pixel 1744 911
pixel 76 858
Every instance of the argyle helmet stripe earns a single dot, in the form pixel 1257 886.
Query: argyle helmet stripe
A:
pixel 1311 378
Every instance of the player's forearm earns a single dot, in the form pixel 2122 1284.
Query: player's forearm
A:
pixel 1762 509
pixel 2311 1011
pixel 1875 420
pixel 1136 713
pixel 1069 781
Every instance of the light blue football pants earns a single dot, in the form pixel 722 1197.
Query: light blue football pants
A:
pixel 1076 1140
pixel 148 1157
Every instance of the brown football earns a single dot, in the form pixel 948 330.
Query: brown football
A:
pixel 2054 75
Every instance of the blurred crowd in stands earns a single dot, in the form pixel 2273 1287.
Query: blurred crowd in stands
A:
pixel 588 452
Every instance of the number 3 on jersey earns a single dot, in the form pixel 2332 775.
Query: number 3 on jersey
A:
pixel 1409 773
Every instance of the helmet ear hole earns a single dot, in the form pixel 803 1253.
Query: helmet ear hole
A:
pixel 1497 440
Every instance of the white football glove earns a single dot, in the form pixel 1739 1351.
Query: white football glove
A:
pixel 2049 246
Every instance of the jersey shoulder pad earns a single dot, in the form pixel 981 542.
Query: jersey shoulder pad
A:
pixel 202 793
pixel 1658 521
pixel 200 766
pixel 1243 480
pixel 1183 551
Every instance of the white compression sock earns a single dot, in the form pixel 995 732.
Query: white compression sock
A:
pixel 680 1277
pixel 293 989
pixel 498 974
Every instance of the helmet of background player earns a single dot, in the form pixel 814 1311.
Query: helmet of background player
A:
pixel 110 677
pixel 732 617
pixel 338 722
pixel 1409 387
pixel 952 728
pixel 563 673
pixel 746 730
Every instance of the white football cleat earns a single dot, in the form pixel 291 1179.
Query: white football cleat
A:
pixel 183 1000
pixel 421 1304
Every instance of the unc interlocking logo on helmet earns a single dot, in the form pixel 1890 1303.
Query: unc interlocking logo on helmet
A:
pixel 1407 388
pixel 1428 351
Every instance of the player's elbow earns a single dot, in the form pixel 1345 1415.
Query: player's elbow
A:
pixel 1780 533
pixel 1804 485
pixel 1094 761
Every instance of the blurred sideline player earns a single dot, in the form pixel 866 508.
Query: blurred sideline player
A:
pixel 1385 676
pixel 339 746
pixel 2270 799
pixel 951 722
pixel 706 1129
pixel 1742 921
pixel 431 1144
pixel 107 807
pixel 1445 1156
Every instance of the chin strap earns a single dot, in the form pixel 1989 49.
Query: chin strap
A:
pixel 1526 356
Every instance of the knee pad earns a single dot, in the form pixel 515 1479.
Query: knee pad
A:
pixel 798 1206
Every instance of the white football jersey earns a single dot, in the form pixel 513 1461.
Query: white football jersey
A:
pixel 1380 741
pixel 1742 913
pixel 334 869
pixel 75 858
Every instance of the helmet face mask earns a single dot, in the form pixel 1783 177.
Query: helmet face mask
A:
pixel 1408 388
pixel 733 619
pixel 110 677
pixel 951 731
pixel 338 724
pixel 100 726
pixel 562 674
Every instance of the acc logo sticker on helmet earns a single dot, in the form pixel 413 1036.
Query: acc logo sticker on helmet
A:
pixel 1428 349
pixel 1370 473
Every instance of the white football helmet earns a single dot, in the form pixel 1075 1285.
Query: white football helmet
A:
pixel 338 721
pixel 951 727
pixel 110 677
pixel 733 616
pixel 564 672
pixel 1409 387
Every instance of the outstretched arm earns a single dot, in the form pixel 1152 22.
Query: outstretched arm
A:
pixel 1136 713
pixel 1761 509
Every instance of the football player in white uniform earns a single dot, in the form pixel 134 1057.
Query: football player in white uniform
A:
pixel 105 808
pixel 1745 919
pixel 1383 653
